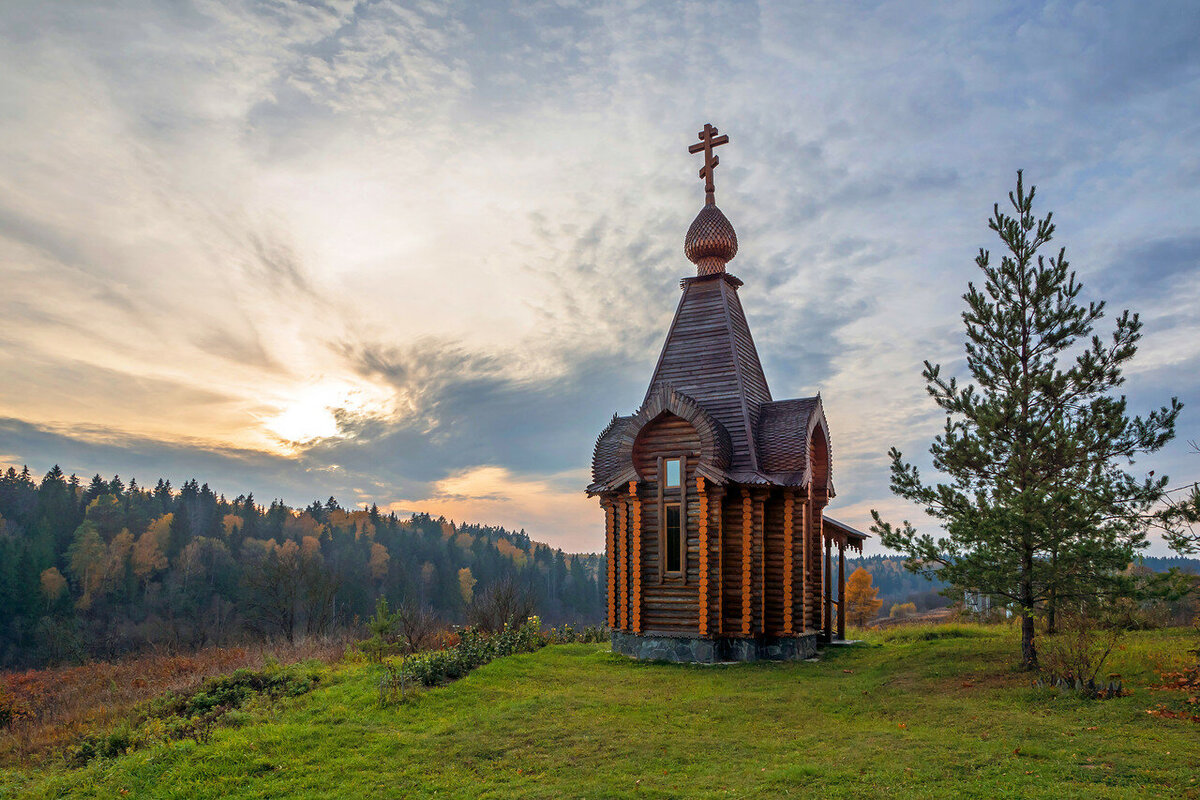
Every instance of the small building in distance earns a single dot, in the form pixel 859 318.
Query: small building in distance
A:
pixel 714 493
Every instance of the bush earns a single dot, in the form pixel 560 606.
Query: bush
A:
pixel 12 710
pixel 474 649
pixel 1073 657
pixel 194 714
pixel 504 604
pixel 903 610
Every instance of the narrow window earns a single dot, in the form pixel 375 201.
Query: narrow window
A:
pixel 671 467
pixel 673 541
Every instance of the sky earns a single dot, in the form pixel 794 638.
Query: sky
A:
pixel 417 254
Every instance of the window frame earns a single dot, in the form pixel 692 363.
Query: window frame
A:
pixel 674 496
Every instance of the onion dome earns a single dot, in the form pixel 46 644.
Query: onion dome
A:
pixel 711 241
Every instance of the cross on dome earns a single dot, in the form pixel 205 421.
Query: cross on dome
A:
pixel 708 140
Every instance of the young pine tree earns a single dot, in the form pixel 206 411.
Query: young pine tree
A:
pixel 1037 506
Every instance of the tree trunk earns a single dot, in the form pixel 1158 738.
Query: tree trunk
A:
pixel 1028 650
pixel 1052 600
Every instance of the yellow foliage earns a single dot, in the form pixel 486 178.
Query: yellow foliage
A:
pixel 310 547
pixel 297 527
pixel 149 552
pixel 119 551
pixel 231 523
pixel 53 584
pixel 509 549
pixel 862 603
pixel 464 540
pixel 379 561
pixel 466 585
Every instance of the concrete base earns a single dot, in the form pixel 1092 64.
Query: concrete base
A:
pixel 697 650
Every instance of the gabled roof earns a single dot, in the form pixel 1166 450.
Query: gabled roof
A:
pixel 784 430
pixel 709 355
pixel 612 459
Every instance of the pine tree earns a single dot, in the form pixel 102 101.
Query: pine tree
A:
pixel 1037 507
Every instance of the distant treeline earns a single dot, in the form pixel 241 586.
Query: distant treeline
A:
pixel 898 585
pixel 108 567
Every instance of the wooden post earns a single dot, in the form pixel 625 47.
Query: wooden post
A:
pixel 788 577
pixel 805 570
pixel 702 533
pixel 828 591
pixel 747 525
pixel 635 545
pixel 841 588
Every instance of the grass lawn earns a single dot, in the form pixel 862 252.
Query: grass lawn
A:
pixel 898 716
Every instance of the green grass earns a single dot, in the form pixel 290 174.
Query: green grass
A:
pixel 927 712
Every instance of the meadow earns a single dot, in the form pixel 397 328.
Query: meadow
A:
pixel 933 711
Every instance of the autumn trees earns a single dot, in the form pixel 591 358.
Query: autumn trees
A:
pixel 862 601
pixel 103 566
pixel 1035 496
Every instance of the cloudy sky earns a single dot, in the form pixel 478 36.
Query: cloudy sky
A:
pixel 418 253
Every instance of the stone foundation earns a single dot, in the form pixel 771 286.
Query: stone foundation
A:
pixel 694 649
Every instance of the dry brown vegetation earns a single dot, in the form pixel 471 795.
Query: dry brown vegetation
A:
pixel 55 706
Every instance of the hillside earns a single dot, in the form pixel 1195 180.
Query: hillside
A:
pixel 900 716
pixel 100 569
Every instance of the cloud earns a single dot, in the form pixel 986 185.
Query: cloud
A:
pixel 380 245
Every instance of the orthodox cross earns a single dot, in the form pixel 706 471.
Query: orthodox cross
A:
pixel 708 140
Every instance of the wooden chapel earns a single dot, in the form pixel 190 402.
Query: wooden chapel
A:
pixel 714 493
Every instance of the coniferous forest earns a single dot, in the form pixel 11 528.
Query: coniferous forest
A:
pixel 103 568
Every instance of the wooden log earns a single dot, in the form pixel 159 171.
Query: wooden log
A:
pixel 635 546
pixel 747 559
pixel 623 578
pixel 702 590
pixel 787 564
pixel 610 544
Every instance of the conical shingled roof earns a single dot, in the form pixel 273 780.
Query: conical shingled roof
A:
pixel 709 355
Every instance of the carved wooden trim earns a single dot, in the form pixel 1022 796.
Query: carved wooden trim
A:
pixel 787 564
pixel 747 558
pixel 702 533
pixel 683 517
pixel 635 600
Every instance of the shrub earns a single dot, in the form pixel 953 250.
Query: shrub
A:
pixel 1072 658
pixel 903 610
pixel 195 713
pixel 12 710
pixel 504 604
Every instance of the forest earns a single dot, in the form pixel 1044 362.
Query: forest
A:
pixel 106 568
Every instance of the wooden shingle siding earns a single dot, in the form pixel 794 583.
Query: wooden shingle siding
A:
pixel 705 356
